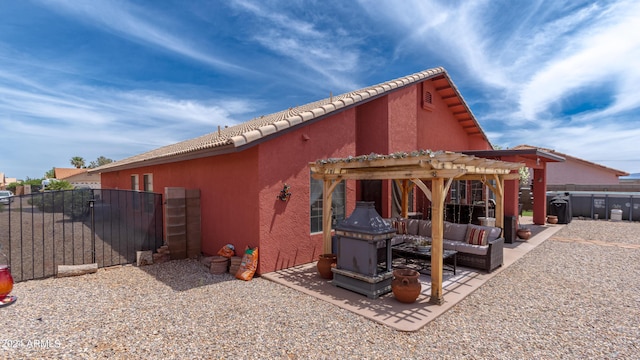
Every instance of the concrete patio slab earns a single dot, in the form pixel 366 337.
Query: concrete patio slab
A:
pixel 386 309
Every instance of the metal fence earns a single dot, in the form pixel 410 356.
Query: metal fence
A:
pixel 40 231
pixel 598 204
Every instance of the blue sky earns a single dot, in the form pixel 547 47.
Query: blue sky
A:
pixel 117 78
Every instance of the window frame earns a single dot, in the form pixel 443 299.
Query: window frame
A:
pixel 339 200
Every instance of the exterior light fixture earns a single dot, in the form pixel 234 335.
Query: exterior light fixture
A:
pixel 284 193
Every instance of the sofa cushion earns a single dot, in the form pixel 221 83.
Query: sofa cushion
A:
pixel 476 235
pixel 455 232
pixel 471 249
pixel 424 228
pixel 412 226
pixel 494 232
pixel 449 245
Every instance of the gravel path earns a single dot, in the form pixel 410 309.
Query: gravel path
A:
pixel 565 299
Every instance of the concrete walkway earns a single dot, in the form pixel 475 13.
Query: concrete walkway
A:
pixel 407 317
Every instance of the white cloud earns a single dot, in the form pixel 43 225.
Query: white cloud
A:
pixel 603 51
pixel 140 25
pixel 329 52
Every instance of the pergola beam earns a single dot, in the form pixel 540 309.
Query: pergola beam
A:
pixel 385 173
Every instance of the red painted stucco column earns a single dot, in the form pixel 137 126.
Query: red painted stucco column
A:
pixel 511 198
pixel 540 196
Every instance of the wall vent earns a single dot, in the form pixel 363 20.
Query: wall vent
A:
pixel 427 99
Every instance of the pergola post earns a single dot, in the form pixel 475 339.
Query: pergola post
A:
pixel 437 234
pixel 499 201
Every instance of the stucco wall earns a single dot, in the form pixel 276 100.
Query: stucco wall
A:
pixel 437 129
pixel 575 172
pixel 372 127
pixel 403 117
pixel 228 190
pixel 285 226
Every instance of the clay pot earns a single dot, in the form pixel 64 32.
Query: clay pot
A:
pixel 552 219
pixel 405 285
pixel 325 263
pixel 6 281
pixel 524 234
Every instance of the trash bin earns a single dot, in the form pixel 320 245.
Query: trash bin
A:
pixel 616 215
pixel 560 206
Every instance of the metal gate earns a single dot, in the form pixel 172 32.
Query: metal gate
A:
pixel 40 231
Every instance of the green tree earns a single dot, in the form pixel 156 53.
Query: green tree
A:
pixel 78 162
pixel 51 173
pixel 59 185
pixel 101 160
pixel 30 181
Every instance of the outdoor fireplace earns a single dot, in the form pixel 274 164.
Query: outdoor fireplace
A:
pixel 358 239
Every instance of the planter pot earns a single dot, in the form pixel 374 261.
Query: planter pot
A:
pixel 524 234
pixel 552 219
pixel 405 285
pixel 325 263
pixel 6 281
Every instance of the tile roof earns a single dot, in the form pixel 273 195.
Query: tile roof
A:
pixel 63 173
pixel 263 126
pixel 589 163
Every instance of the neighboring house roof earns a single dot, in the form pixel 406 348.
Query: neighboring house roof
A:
pixel 252 132
pixel 569 157
pixel 63 173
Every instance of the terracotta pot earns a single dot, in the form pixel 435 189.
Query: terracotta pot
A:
pixel 405 285
pixel 524 234
pixel 552 219
pixel 325 263
pixel 6 281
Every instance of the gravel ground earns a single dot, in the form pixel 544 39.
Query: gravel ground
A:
pixel 564 299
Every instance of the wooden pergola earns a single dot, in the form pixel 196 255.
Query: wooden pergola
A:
pixel 412 169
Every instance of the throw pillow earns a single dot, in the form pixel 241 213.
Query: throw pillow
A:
pixel 476 236
pixel 400 226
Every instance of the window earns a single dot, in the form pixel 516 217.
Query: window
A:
pixel 337 205
pixel 134 183
pixel 135 186
pixel 148 182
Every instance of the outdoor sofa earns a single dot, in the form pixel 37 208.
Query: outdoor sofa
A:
pixel 479 247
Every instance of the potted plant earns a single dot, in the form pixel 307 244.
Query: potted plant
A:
pixel 423 245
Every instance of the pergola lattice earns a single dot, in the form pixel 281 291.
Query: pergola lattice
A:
pixel 412 169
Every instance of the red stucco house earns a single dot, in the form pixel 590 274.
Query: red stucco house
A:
pixel 578 171
pixel 241 170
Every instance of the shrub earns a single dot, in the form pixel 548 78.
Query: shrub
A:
pixel 73 203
